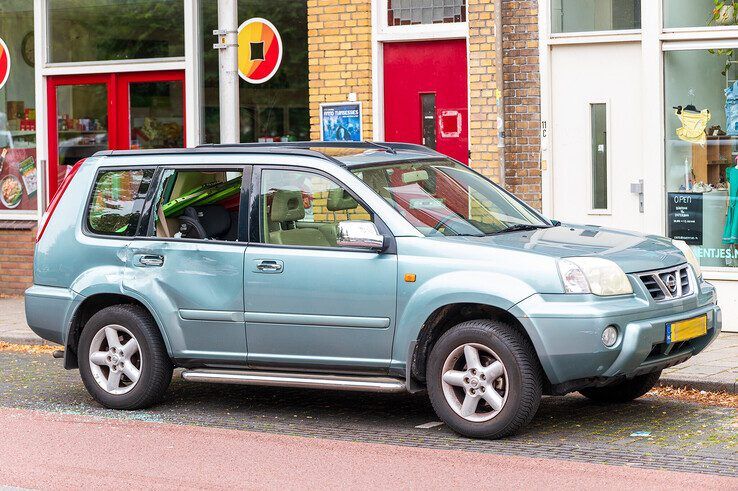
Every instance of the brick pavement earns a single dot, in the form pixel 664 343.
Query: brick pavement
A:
pixel 680 436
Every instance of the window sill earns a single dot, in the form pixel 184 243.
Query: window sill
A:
pixel 720 274
pixel 592 37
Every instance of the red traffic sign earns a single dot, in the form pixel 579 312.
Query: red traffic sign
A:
pixel 4 63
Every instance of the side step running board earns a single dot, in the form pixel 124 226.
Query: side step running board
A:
pixel 298 380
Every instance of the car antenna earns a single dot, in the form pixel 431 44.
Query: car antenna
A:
pixel 386 148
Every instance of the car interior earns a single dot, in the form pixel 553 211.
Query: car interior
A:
pixel 199 205
pixel 296 209
pixel 285 211
pixel 303 208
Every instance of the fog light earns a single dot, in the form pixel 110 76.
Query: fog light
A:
pixel 610 336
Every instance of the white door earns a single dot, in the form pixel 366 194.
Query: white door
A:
pixel 596 134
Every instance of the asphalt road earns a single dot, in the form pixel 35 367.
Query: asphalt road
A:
pixel 54 435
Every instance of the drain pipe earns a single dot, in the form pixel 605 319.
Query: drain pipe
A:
pixel 499 90
pixel 227 47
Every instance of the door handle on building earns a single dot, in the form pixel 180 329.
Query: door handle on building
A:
pixel 269 266
pixel 637 188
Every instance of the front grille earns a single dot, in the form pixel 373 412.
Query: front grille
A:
pixel 668 284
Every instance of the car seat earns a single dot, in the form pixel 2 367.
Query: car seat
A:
pixel 339 200
pixel 286 209
pixel 205 222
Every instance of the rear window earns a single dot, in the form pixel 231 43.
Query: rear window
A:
pixel 117 201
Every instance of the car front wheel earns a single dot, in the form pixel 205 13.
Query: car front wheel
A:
pixel 484 379
pixel 123 361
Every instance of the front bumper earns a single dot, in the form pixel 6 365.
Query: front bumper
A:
pixel 566 332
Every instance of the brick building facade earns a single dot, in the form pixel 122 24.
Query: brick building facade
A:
pixel 17 239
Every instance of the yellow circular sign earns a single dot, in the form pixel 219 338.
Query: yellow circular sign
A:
pixel 259 50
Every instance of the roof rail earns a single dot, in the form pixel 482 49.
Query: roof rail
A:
pixel 307 145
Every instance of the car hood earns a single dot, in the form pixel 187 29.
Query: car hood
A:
pixel 633 252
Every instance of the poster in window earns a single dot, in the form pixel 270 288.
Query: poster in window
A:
pixel 685 212
pixel 340 122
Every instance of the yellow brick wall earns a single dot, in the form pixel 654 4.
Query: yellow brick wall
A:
pixel 340 57
pixel 482 101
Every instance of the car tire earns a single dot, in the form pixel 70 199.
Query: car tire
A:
pixel 624 391
pixel 451 378
pixel 117 345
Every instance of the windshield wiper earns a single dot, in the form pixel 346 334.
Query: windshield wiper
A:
pixel 520 227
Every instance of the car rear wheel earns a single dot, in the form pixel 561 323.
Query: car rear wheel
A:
pixel 123 361
pixel 484 379
pixel 624 391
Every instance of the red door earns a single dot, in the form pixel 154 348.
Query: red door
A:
pixel 425 95
pixel 89 113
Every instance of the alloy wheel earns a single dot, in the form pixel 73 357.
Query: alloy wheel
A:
pixel 475 382
pixel 115 359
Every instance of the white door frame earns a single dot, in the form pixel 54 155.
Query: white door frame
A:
pixel 383 33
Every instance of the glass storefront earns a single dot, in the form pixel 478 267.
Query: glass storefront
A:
pixel 699 13
pixel 92 30
pixel 18 172
pixel 595 15
pixel 277 109
pixel 701 100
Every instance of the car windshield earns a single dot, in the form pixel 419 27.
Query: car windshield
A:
pixel 442 197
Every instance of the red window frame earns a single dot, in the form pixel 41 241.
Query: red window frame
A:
pixel 119 120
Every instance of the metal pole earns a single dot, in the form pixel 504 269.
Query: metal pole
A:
pixel 499 89
pixel 227 47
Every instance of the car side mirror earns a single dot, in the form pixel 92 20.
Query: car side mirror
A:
pixel 360 234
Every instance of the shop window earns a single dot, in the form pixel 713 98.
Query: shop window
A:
pixel 156 114
pixel 304 209
pixel 699 13
pixel 595 15
pixel 598 116
pixel 408 12
pixel 115 206
pixel 99 30
pixel 18 172
pixel 274 108
pixel 701 149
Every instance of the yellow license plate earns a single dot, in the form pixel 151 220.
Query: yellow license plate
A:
pixel 687 329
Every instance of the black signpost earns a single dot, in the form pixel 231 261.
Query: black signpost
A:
pixel 685 217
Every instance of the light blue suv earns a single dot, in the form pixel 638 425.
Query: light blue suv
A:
pixel 369 266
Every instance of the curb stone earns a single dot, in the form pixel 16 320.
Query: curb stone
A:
pixel 706 385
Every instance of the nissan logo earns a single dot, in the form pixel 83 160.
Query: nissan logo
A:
pixel 671 282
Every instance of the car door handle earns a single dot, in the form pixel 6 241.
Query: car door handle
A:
pixel 269 266
pixel 150 261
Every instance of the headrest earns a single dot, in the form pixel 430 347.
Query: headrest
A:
pixel 214 219
pixel 287 206
pixel 339 199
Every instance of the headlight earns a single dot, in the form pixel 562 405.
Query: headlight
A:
pixel 593 275
pixel 691 258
